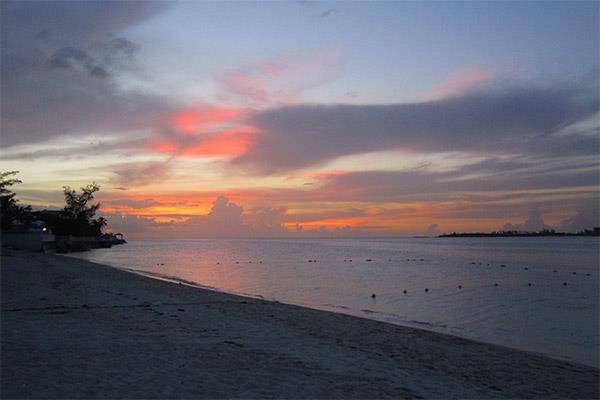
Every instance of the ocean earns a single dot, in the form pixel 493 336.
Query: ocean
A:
pixel 538 294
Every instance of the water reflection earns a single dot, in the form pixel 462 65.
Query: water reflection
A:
pixel 508 291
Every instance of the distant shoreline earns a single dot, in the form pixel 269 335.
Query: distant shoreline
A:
pixel 588 233
pixel 266 238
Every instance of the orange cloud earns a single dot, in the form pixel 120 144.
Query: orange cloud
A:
pixel 158 206
pixel 262 208
pixel 194 121
pixel 174 206
pixel 227 143
pixel 164 147
pixel 206 131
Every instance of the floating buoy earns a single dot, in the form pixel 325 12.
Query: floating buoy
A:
pixel 529 284
pixel 495 284
pixel 564 283
pixel 373 295
pixel 460 286
pixel 404 292
pixel 426 289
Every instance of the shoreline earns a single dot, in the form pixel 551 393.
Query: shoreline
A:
pixel 330 308
pixel 73 328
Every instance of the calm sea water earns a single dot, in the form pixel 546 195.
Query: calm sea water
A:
pixel 512 290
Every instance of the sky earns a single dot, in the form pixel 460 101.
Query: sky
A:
pixel 306 118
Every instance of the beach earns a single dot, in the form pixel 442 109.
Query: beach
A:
pixel 76 329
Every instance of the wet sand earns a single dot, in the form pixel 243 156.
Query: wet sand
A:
pixel 75 329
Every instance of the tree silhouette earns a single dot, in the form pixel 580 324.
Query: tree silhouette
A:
pixel 10 210
pixel 77 218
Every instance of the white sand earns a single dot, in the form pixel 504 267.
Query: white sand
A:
pixel 74 329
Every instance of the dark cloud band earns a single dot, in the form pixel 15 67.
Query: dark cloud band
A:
pixel 517 121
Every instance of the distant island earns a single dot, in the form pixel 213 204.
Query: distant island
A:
pixel 546 232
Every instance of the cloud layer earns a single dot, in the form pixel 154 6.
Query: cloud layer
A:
pixel 521 120
pixel 67 76
pixel 57 60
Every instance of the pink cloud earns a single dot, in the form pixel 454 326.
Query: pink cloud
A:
pixel 226 143
pixel 195 120
pixel 283 79
pixel 271 69
pixel 246 85
pixel 223 131
pixel 460 82
pixel 204 131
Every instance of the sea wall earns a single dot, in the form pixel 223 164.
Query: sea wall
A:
pixel 47 242
pixel 33 241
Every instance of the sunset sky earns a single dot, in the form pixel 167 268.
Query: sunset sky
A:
pixel 305 118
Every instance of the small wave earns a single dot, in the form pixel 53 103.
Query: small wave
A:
pixel 171 278
pixel 175 279
pixel 389 317
pixel 430 324
pixel 336 306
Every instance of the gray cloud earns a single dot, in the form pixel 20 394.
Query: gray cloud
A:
pixel 424 185
pixel 124 46
pixel 131 203
pixel 57 61
pixel 319 216
pixel 77 151
pixel 27 196
pixel 76 21
pixel 533 223
pixel 515 121
pixel 328 13
pixel 71 57
pixel 225 219
pixel 134 225
pixel 136 174
pixel 62 58
pixel 587 216
pixel 432 230
pixel 96 71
